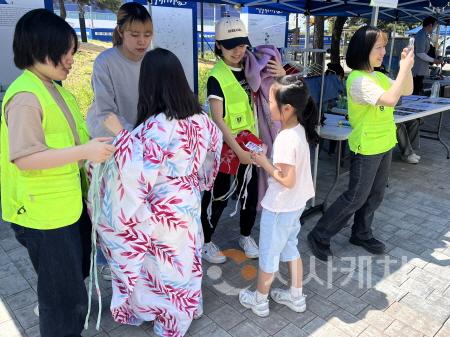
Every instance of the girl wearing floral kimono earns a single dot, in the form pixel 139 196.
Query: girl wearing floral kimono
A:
pixel 149 227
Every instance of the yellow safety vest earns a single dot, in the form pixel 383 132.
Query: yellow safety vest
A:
pixel 239 115
pixel 373 126
pixel 48 198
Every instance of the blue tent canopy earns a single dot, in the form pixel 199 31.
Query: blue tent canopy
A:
pixel 441 30
pixel 407 10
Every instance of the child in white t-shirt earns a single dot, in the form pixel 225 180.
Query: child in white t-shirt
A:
pixel 290 187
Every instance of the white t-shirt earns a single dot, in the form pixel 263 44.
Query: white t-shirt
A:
pixel 365 90
pixel 290 147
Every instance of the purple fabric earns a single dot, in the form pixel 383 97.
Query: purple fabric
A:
pixel 260 80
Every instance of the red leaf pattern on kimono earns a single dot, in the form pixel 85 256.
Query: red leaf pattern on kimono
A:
pixel 168 321
pixel 124 147
pixel 162 235
pixel 184 299
pixel 162 213
pixel 166 254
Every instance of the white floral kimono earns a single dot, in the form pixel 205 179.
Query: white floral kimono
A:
pixel 149 225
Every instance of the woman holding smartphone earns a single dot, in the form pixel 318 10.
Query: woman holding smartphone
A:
pixel 371 100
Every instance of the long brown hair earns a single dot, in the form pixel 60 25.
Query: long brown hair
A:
pixel 127 14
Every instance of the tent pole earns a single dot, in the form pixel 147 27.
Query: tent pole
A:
pixel 392 47
pixel 202 37
pixel 308 24
pixel 445 42
pixel 305 55
pixel 374 18
pixel 316 150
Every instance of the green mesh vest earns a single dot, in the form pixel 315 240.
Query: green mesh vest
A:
pixel 239 115
pixel 373 126
pixel 49 198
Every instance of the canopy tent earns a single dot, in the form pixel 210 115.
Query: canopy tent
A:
pixel 443 30
pixel 407 10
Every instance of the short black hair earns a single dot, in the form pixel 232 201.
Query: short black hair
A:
pixel 429 20
pixel 359 48
pixel 163 88
pixel 217 50
pixel 41 34
pixel 335 68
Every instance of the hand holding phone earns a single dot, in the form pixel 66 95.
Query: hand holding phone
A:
pixel 410 44
pixel 252 147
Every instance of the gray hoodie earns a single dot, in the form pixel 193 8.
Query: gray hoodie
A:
pixel 115 81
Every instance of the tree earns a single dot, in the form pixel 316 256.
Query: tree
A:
pixel 62 9
pixel 112 5
pixel 319 22
pixel 400 27
pixel 338 26
pixel 81 12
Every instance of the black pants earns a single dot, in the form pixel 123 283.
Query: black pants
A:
pixel 368 179
pixel 60 258
pixel 221 187
pixel 418 85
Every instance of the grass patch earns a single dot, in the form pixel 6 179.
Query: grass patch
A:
pixel 79 80
pixel 203 71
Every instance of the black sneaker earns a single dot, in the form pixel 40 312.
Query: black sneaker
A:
pixel 371 245
pixel 321 251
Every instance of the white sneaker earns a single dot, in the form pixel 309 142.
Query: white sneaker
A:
pixel 105 271
pixel 284 297
pixel 416 156
pixel 411 159
pixel 212 253
pixel 36 310
pixel 248 300
pixel 249 246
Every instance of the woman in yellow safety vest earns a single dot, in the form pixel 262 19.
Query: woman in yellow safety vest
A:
pixel 229 96
pixel 371 100
pixel 44 142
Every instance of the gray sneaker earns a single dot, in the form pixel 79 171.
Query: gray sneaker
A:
pixel 248 300
pixel 284 297
pixel 212 253
pixel 105 271
pixel 249 246
pixel 411 159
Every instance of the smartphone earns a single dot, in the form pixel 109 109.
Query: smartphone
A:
pixel 410 43
pixel 254 147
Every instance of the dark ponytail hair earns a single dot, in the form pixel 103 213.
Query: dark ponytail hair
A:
pixel 292 89
pixel 127 14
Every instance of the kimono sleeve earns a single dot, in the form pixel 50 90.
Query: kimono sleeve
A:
pixel 138 162
pixel 210 167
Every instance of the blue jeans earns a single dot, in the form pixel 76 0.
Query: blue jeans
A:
pixel 60 258
pixel 368 179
